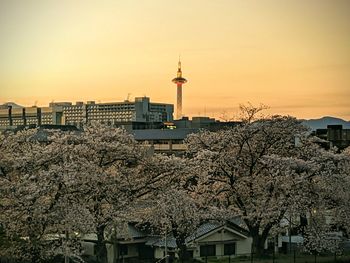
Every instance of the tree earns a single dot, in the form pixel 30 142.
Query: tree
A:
pixel 61 180
pixel 50 176
pixel 37 208
pixel 165 205
pixel 175 214
pixel 256 170
pixel 329 211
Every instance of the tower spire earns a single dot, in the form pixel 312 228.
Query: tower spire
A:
pixel 179 72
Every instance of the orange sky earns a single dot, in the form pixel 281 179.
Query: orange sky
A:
pixel 293 55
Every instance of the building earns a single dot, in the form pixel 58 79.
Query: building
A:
pixel 128 114
pixel 140 110
pixel 30 116
pixel 211 239
pixel 169 138
pixel 334 136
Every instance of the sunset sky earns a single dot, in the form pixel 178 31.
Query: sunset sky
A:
pixel 292 55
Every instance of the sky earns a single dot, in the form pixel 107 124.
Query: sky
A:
pixel 291 55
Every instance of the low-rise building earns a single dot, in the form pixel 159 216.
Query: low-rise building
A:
pixel 211 239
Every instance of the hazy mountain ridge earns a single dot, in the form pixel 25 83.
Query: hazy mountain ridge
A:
pixel 324 121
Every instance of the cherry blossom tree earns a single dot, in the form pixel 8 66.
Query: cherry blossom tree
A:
pixel 36 203
pixel 57 183
pixel 75 182
pixel 329 209
pixel 175 214
pixel 257 170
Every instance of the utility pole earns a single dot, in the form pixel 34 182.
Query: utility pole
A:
pixel 115 254
pixel 66 258
pixel 166 247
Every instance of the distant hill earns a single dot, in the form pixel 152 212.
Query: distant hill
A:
pixel 324 121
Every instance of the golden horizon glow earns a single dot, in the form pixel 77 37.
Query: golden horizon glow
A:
pixel 292 55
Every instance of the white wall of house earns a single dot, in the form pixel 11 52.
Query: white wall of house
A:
pixel 88 248
pixel 158 252
pixel 132 252
pixel 219 238
pixel 110 253
pixel 244 246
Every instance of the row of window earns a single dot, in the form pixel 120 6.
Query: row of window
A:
pixel 110 108
pixel 18 122
pixel 210 250
pixel 4 122
pixel 109 111
pixel 101 113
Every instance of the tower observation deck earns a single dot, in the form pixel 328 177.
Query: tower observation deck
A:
pixel 179 80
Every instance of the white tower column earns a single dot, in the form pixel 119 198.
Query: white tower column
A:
pixel 179 102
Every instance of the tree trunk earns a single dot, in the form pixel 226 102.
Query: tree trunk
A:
pixel 183 253
pixel 180 243
pixel 258 245
pixel 259 239
pixel 35 254
pixel 101 250
pixel 34 251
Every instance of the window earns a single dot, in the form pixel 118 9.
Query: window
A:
pixel 207 250
pixel 230 249
pixel 123 250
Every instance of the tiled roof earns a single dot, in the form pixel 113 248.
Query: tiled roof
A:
pixel 134 232
pixel 166 134
pixel 160 242
pixel 203 229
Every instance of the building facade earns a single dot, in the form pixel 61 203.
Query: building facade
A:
pixel 65 113
pixel 334 136
pixel 30 116
pixel 140 110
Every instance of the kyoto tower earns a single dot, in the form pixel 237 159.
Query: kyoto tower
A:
pixel 179 80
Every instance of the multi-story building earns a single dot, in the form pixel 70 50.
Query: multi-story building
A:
pixel 5 120
pixel 65 113
pixel 140 110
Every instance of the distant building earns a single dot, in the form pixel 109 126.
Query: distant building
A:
pixel 151 124
pixel 30 116
pixel 203 123
pixel 128 113
pixel 140 110
pixel 335 136
pixel 170 138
